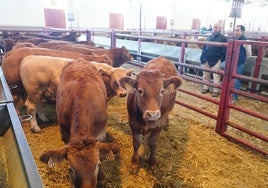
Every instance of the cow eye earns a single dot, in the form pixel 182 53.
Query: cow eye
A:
pixel 162 91
pixel 140 91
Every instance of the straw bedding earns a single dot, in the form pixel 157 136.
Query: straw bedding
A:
pixel 189 154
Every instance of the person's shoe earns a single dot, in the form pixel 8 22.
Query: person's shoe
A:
pixel 205 91
pixel 215 94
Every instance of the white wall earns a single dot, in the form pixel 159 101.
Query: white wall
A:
pixel 22 13
pixel 95 14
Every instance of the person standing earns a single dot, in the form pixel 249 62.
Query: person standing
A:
pixel 244 52
pixel 212 57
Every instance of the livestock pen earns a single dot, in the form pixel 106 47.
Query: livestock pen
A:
pixel 190 154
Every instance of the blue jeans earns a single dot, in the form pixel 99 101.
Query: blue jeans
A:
pixel 237 82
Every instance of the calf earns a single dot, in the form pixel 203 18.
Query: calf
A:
pixel 82 117
pixel 45 72
pixel 149 104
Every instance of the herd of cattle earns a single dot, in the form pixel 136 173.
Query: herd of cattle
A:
pixel 81 79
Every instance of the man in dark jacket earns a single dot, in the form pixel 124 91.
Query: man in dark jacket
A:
pixel 212 57
pixel 244 51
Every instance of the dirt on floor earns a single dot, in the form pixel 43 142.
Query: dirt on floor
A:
pixel 190 154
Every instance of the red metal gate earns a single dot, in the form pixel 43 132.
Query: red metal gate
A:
pixel 243 133
pixel 226 125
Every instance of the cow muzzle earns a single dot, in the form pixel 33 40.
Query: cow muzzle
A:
pixel 152 115
pixel 121 92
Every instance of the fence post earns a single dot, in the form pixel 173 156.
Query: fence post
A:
pixel 182 55
pixel 257 68
pixel 113 39
pixel 88 36
pixel 227 84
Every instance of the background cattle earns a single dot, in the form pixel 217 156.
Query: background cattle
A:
pixel 148 105
pixel 56 45
pixel 45 72
pixel 82 116
pixel 12 59
pixel 118 56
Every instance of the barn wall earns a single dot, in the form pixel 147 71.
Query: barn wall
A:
pixel 24 13
pixel 91 13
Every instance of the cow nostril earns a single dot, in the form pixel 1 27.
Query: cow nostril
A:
pixel 152 115
pixel 122 94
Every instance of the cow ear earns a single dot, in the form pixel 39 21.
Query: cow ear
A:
pixel 108 150
pixel 127 80
pixel 53 157
pixel 104 72
pixel 175 80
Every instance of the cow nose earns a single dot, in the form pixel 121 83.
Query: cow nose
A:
pixel 153 115
pixel 122 94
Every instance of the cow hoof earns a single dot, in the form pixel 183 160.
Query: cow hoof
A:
pixel 152 171
pixel 36 130
pixel 134 169
pixel 152 166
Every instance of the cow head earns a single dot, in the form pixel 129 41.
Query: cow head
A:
pixel 124 57
pixel 84 158
pixel 111 79
pixel 149 88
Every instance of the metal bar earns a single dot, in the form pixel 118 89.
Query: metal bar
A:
pixel 245 130
pixel 88 36
pixel 113 40
pixel 257 66
pixel 182 55
pixel 247 78
pixel 250 95
pixel 201 96
pixel 245 143
pixel 223 111
pixel 200 81
pixel 250 112
pixel 196 109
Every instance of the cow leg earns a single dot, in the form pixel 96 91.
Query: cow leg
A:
pixel 101 178
pixel 65 132
pixel 152 142
pixel 31 109
pixel 166 124
pixel 135 161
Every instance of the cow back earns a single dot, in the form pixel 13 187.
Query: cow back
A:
pixel 81 101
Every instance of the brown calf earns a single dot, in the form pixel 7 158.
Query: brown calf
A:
pixel 148 105
pixel 82 117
